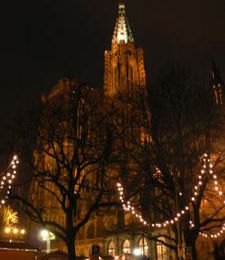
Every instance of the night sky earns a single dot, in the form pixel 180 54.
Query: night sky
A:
pixel 43 40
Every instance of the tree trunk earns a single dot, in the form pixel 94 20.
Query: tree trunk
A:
pixel 70 233
pixel 193 250
pixel 71 247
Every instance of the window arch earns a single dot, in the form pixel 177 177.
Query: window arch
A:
pixel 143 246
pixel 161 249
pixel 126 247
pixel 111 248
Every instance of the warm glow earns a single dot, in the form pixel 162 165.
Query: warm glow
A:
pixel 122 36
pixel 15 230
pixel 7 230
pixel 137 251
pixel 47 235
pixel 122 31
pixel 126 247
pixel 22 231
pixel 44 234
pixel 11 217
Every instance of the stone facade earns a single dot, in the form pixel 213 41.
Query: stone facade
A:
pixel 115 232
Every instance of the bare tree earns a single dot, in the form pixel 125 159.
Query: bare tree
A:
pixel 185 125
pixel 69 179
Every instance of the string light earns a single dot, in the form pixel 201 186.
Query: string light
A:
pixel 191 224
pixel 184 210
pixel 214 235
pixel 206 167
pixel 127 207
pixel 15 230
pixel 215 181
pixel 220 193
pixel 7 180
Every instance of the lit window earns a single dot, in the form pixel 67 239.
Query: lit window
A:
pixel 126 247
pixel 161 249
pixel 143 245
pixel 111 249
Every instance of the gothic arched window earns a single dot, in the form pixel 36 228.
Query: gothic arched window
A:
pixel 111 248
pixel 143 246
pixel 161 249
pixel 126 247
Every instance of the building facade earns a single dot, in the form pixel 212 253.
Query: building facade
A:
pixel 115 232
pixel 111 232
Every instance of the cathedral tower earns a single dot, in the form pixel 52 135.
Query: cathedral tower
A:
pixel 124 64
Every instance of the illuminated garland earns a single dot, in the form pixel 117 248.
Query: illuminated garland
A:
pixel 214 235
pixel 129 208
pixel 215 178
pixel 220 193
pixel 7 180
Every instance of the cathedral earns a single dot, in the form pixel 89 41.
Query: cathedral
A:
pixel 113 232
pixel 124 78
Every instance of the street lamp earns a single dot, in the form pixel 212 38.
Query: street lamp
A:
pixel 47 236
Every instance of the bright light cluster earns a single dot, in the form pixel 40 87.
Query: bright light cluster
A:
pixel 15 231
pixel 122 30
pixel 47 235
pixel 7 180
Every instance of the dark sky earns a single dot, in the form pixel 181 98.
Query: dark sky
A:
pixel 42 40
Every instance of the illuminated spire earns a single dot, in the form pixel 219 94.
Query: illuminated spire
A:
pixel 122 30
